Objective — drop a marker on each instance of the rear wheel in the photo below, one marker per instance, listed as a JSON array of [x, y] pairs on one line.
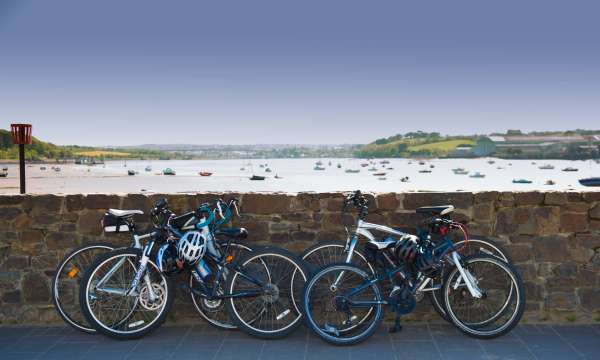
[[265, 293], [66, 282], [215, 311]]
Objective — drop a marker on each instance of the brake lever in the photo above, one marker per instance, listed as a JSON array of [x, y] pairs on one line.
[[220, 209]]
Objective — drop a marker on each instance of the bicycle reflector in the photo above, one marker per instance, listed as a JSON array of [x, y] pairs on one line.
[[71, 274], [444, 230]]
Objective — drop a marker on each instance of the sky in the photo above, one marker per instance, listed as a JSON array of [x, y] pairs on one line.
[[117, 72]]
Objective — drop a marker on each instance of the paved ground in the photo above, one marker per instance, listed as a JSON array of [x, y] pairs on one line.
[[202, 342]]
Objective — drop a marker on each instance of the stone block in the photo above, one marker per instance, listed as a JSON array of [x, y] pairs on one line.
[[36, 288], [561, 301], [89, 222], [550, 248], [486, 197], [529, 198], [555, 198], [266, 203], [574, 222], [60, 240], [74, 202], [9, 213], [595, 212], [101, 201], [387, 201], [589, 298], [588, 241]]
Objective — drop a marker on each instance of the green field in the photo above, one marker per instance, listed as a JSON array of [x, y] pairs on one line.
[[102, 153], [441, 146]]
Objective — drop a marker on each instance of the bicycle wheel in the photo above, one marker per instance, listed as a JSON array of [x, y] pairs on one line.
[[270, 307], [111, 308], [331, 303], [473, 247], [215, 311], [330, 252], [65, 283], [498, 310]]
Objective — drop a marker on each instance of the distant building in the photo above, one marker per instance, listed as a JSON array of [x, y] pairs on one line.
[[538, 144]]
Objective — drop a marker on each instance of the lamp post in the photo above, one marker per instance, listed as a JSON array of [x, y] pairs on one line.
[[21, 135]]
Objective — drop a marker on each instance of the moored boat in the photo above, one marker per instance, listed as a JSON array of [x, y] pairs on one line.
[[373, 168], [339, 166], [318, 168], [379, 174], [521, 181], [268, 170], [477, 174], [593, 181], [550, 182], [3, 173], [425, 171], [352, 171], [546, 167], [148, 168], [205, 173], [168, 171], [570, 169], [257, 177], [130, 172]]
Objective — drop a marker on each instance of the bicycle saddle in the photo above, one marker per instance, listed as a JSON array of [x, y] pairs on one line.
[[239, 233], [124, 213], [435, 210]]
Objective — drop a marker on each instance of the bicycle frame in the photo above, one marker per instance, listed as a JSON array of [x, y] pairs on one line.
[[363, 227]]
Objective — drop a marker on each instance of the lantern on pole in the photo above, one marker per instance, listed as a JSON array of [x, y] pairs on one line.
[[21, 135]]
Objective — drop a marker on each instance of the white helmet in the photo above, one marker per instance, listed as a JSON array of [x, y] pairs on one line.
[[191, 247]]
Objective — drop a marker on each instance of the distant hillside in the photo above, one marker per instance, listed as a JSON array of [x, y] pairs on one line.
[[415, 144], [40, 150], [37, 150]]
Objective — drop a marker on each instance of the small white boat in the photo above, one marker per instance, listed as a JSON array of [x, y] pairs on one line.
[[425, 171], [477, 174], [570, 169], [546, 167], [318, 168], [57, 169], [148, 168], [352, 171], [404, 179]]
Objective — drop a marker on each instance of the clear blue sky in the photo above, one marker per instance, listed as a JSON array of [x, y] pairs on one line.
[[131, 72]]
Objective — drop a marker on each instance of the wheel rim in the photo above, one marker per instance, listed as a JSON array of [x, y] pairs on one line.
[[477, 327], [261, 313], [216, 315], [124, 314], [338, 256], [332, 305], [67, 282]]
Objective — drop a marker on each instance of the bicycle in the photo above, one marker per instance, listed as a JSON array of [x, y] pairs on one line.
[[257, 293], [69, 272], [343, 303], [336, 251]]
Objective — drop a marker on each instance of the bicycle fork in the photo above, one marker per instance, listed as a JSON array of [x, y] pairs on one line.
[[466, 276]]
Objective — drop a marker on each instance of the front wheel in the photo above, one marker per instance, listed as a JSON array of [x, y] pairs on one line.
[[66, 282], [472, 247], [264, 293], [112, 307], [339, 297], [499, 309]]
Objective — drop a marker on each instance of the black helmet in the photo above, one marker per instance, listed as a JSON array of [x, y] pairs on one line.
[[406, 248], [425, 261]]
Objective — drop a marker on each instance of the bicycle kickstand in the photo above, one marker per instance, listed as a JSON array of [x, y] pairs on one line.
[[397, 327]]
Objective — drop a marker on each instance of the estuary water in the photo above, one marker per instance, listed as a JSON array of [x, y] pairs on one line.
[[296, 175]]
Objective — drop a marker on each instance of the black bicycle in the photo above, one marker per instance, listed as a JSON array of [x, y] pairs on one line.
[[483, 295]]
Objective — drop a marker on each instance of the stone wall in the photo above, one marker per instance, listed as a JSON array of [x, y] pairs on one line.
[[553, 238]]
